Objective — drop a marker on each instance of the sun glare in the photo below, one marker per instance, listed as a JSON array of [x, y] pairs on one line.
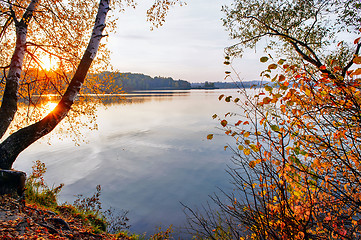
[[48, 63], [49, 106]]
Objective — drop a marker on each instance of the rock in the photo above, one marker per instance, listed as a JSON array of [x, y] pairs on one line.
[[12, 182]]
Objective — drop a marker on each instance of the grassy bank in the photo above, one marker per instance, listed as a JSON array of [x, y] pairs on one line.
[[40, 215]]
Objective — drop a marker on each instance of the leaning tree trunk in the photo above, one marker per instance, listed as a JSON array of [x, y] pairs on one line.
[[20, 140]]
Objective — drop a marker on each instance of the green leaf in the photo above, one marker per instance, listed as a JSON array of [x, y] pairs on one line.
[[283, 87], [228, 99], [296, 150], [268, 88], [275, 128], [264, 59], [281, 61]]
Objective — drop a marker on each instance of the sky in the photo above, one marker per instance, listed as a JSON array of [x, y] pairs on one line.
[[189, 46]]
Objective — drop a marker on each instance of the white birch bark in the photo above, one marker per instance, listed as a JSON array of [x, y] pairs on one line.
[[10, 97]]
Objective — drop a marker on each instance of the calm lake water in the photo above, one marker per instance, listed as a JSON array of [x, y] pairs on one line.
[[149, 154]]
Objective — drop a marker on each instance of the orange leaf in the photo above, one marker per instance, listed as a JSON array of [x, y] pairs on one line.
[[251, 164], [281, 78], [357, 40], [357, 72], [224, 123], [272, 66], [239, 122], [266, 100], [337, 68], [283, 108], [357, 60]]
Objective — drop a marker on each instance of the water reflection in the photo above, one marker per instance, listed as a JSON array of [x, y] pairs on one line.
[[147, 156], [136, 96]]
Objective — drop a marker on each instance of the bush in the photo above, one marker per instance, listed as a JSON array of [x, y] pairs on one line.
[[36, 191]]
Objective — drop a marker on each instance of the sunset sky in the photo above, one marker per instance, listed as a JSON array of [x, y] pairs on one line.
[[190, 45]]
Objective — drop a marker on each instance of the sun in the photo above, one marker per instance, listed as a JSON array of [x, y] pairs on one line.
[[49, 106], [48, 63]]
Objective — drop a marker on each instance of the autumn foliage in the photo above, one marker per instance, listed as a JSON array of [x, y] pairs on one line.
[[297, 166]]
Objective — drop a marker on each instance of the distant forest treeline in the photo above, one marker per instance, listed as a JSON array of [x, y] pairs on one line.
[[39, 83], [228, 85], [138, 81]]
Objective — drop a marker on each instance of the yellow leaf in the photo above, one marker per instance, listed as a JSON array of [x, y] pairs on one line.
[[210, 136], [247, 151], [254, 148]]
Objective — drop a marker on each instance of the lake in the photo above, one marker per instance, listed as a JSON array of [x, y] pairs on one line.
[[149, 154]]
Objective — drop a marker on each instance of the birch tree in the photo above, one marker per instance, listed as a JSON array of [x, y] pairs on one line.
[[30, 29]]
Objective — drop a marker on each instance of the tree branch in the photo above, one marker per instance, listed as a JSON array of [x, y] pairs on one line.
[[345, 69], [274, 32]]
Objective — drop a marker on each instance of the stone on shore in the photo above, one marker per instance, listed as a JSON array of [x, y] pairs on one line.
[[12, 182]]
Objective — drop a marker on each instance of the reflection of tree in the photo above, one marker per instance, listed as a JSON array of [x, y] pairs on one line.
[[84, 110], [137, 97]]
